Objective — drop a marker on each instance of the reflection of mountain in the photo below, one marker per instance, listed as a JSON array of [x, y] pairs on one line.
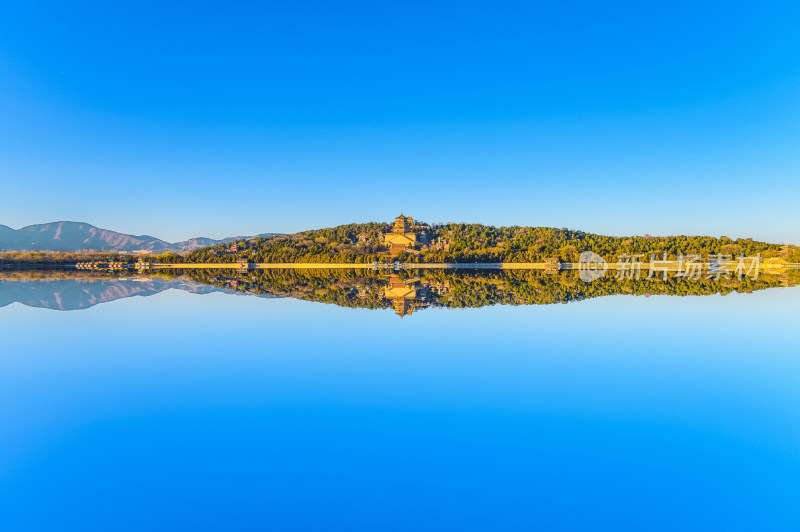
[[405, 292], [75, 292]]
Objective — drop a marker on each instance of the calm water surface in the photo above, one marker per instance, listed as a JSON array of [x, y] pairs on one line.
[[197, 408]]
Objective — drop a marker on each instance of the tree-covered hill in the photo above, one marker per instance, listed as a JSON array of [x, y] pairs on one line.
[[358, 243], [481, 243], [361, 243]]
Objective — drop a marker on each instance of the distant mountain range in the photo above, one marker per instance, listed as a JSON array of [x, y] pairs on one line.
[[79, 236]]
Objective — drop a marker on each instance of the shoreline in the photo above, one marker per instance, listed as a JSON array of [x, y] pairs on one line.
[[669, 266]]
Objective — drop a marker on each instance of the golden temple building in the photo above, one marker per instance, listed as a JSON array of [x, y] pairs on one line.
[[403, 236]]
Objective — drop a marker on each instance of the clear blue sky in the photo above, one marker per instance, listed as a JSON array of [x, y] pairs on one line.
[[193, 119]]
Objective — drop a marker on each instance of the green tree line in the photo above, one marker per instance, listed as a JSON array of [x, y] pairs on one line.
[[362, 243]]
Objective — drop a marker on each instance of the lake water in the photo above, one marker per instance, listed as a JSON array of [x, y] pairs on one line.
[[497, 402]]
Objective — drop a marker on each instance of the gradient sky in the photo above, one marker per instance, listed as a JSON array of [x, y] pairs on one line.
[[193, 119]]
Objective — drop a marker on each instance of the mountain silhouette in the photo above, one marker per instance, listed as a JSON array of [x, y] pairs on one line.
[[80, 236]]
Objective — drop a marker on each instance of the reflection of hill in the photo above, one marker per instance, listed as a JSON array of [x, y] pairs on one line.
[[537, 288], [408, 291], [404, 291], [347, 288], [73, 291]]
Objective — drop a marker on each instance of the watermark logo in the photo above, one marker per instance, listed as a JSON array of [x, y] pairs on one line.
[[591, 266]]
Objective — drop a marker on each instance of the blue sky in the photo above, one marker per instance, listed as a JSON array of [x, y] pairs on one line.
[[192, 119]]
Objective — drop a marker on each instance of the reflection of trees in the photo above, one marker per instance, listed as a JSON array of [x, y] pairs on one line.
[[405, 291], [346, 288], [460, 289], [536, 288]]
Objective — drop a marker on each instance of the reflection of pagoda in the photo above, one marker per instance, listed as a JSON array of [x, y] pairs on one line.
[[402, 306], [402, 295], [411, 294]]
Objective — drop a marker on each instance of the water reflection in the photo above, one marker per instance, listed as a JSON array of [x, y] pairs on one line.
[[404, 291], [62, 290], [230, 412]]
